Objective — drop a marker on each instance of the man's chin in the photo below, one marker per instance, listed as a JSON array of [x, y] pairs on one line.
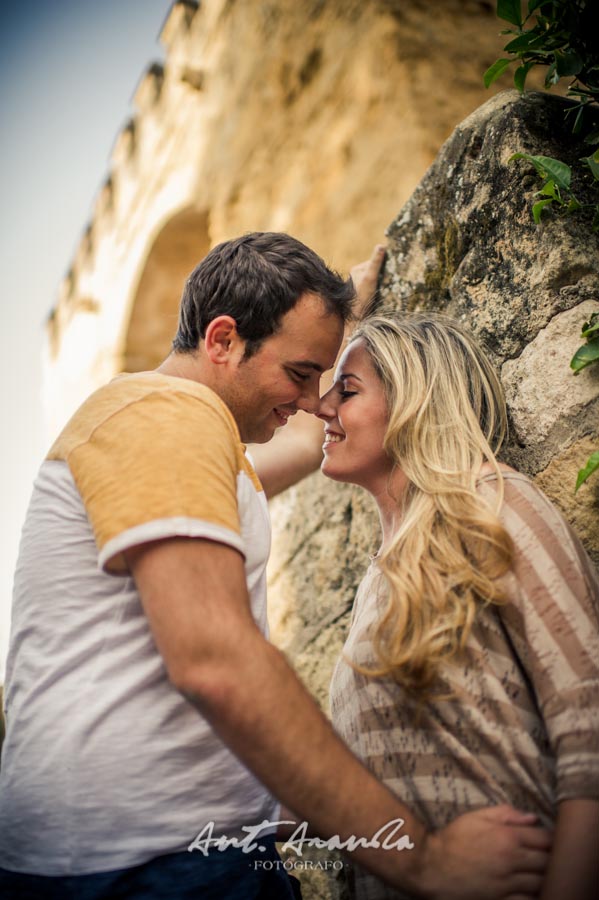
[[262, 437]]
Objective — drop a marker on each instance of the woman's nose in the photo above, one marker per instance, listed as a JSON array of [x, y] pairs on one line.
[[326, 409]]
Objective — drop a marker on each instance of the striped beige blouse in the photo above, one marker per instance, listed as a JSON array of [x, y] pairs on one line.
[[523, 726]]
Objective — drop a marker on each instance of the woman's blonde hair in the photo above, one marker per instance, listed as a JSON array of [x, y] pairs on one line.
[[447, 416]]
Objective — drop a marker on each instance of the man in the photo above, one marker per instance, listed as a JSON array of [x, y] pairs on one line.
[[145, 706]]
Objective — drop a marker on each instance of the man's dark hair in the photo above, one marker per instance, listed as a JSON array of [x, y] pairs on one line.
[[256, 279]]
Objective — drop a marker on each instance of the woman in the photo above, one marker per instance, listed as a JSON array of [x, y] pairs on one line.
[[470, 674]]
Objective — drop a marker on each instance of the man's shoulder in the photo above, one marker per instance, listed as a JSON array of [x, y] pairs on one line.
[[149, 401], [127, 389]]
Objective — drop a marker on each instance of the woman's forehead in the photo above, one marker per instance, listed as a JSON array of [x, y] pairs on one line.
[[354, 356]]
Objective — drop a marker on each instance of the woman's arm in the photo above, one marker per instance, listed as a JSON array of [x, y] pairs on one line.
[[296, 450], [552, 620], [573, 870]]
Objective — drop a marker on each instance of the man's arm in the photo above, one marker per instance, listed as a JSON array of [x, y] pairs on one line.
[[294, 452], [195, 597], [574, 863]]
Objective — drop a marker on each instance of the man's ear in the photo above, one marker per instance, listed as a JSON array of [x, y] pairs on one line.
[[221, 340]]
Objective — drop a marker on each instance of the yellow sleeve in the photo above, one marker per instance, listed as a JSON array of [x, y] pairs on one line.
[[164, 465]]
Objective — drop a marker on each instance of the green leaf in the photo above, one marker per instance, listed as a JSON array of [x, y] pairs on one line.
[[576, 128], [591, 466], [527, 41], [579, 120], [548, 167], [593, 137], [494, 71], [592, 326], [520, 76], [593, 163], [584, 356], [538, 208], [573, 205], [550, 189], [510, 11], [534, 4], [567, 62]]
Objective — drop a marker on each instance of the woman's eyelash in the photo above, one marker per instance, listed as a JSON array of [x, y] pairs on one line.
[[345, 394]]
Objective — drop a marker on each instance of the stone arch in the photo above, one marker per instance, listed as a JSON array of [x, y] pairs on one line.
[[178, 247]]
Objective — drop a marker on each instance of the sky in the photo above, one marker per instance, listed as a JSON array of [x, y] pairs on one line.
[[68, 72]]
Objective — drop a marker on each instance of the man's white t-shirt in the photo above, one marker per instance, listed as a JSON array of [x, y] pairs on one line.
[[105, 764]]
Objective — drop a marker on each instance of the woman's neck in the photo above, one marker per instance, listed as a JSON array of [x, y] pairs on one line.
[[388, 503]]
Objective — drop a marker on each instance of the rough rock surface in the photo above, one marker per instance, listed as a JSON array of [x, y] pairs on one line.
[[549, 407], [465, 243]]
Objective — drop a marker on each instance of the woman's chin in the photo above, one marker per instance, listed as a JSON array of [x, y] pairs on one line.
[[330, 471]]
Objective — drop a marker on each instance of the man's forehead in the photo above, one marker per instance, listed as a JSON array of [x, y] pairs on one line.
[[307, 364], [308, 337]]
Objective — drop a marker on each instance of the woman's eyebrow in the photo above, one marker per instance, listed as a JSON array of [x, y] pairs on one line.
[[343, 375]]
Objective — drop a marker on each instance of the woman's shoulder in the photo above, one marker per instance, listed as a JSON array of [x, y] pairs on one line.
[[515, 484], [519, 491], [488, 473], [539, 529]]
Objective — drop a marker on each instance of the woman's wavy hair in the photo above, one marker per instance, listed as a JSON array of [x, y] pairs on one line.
[[447, 415]]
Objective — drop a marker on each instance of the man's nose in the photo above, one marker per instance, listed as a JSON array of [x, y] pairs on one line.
[[310, 399]]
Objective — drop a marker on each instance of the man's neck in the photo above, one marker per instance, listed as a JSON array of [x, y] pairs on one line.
[[185, 365]]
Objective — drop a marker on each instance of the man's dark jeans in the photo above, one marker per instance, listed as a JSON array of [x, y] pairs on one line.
[[227, 875]]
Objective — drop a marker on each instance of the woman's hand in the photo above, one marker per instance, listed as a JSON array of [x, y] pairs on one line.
[[365, 276]]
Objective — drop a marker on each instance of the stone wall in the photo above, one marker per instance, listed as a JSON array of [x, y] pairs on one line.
[[466, 243]]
